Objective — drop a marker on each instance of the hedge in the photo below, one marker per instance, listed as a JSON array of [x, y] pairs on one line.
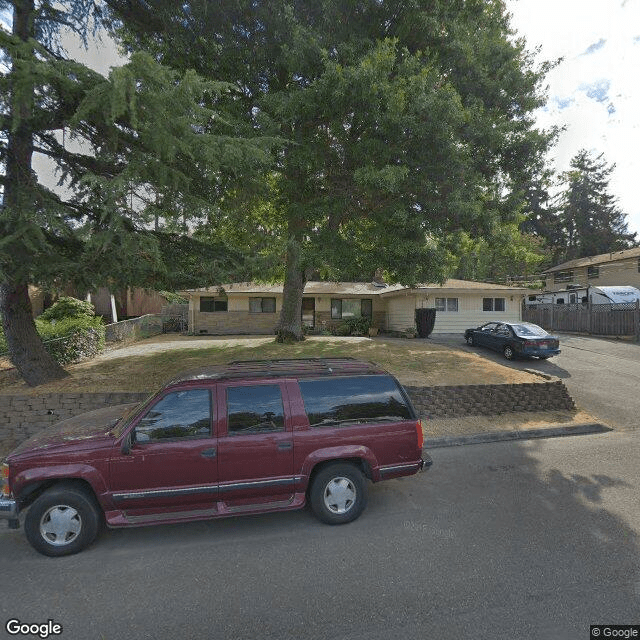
[[70, 339]]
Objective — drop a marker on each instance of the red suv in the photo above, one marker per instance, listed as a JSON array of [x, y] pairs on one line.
[[249, 437]]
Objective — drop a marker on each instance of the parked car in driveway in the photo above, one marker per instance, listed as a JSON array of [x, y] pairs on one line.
[[249, 437], [514, 339]]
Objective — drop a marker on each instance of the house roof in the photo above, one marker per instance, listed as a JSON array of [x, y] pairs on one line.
[[599, 259], [352, 288]]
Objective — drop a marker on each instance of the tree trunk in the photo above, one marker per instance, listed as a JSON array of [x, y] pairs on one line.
[[25, 347], [289, 327], [26, 350]]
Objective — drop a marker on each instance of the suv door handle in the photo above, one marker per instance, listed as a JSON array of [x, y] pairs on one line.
[[208, 453], [284, 446]]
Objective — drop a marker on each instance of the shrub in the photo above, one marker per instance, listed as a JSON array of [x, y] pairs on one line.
[[68, 308], [343, 329], [71, 339], [358, 326]]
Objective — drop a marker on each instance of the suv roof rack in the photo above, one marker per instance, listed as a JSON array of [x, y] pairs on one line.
[[282, 368]]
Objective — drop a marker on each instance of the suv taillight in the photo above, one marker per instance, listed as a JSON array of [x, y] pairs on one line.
[[420, 434]]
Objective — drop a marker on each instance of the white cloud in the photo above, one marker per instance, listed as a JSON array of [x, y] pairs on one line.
[[594, 92]]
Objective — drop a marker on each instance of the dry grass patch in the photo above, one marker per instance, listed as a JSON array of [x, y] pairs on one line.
[[149, 363]]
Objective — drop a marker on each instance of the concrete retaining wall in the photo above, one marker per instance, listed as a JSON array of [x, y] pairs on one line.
[[22, 416]]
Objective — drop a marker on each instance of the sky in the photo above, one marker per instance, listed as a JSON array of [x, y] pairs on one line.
[[594, 93]]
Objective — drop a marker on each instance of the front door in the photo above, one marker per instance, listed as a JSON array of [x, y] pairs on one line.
[[172, 463], [309, 312], [255, 444]]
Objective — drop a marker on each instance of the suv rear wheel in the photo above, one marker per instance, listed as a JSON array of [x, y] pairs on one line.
[[62, 521], [338, 494]]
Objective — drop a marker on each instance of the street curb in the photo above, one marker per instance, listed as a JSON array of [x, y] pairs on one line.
[[524, 434]]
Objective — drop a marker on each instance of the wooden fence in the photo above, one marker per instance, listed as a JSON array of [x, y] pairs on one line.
[[596, 319]]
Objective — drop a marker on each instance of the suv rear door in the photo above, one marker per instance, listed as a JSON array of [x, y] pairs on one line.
[[347, 416], [255, 443]]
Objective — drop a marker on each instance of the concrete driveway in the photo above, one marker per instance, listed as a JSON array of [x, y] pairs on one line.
[[602, 376]]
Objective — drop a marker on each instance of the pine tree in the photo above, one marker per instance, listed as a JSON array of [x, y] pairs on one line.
[[145, 142], [593, 222]]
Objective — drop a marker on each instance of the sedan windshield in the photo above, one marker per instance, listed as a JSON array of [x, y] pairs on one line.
[[529, 330]]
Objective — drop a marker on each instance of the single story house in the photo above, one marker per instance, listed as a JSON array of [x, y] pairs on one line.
[[620, 268], [250, 308]]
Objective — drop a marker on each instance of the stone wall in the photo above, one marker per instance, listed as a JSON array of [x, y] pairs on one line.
[[325, 321], [235, 323], [22, 416], [490, 399]]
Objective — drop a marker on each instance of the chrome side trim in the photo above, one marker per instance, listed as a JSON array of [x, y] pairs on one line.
[[400, 467], [256, 484], [164, 493]]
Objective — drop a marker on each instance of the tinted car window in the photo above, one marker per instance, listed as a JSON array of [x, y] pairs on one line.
[[252, 409], [332, 401], [180, 414]]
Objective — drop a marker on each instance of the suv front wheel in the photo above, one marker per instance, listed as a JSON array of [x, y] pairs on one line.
[[62, 521], [338, 493]]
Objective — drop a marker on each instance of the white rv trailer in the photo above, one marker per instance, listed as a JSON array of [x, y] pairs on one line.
[[584, 295]]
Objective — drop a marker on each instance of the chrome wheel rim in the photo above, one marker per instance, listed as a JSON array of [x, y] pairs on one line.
[[339, 495], [60, 525], [508, 353]]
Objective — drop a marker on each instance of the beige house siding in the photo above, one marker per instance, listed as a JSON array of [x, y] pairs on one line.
[[401, 310], [393, 307], [619, 273]]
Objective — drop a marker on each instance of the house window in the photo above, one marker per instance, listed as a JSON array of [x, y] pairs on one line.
[[262, 305], [593, 272], [214, 304], [493, 304], [342, 308], [563, 276], [446, 304]]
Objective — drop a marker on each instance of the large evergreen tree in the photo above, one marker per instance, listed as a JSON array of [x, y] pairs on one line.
[[146, 143], [403, 121], [593, 222]]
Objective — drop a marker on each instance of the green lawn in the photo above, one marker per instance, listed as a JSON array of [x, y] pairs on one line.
[[414, 362]]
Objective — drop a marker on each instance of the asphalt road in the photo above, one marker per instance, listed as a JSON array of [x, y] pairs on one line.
[[602, 376], [527, 540]]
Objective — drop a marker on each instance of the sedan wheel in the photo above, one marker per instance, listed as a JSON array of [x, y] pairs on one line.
[[470, 340], [508, 352]]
